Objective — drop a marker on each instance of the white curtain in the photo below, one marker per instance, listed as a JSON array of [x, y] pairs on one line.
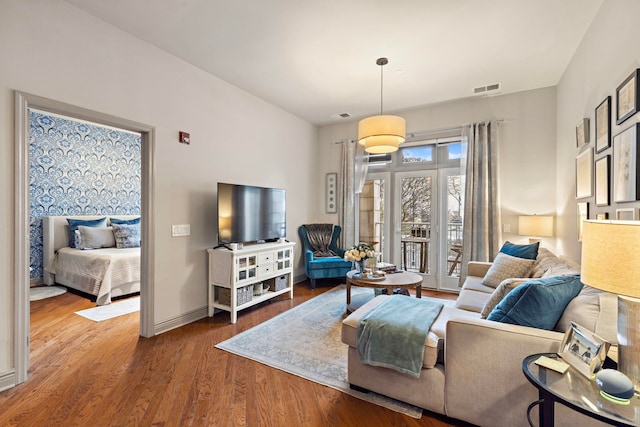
[[482, 219], [352, 176]]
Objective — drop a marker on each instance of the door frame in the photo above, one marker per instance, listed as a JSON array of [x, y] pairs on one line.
[[22, 103]]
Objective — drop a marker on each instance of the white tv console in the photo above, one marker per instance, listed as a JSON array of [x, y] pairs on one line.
[[232, 272]]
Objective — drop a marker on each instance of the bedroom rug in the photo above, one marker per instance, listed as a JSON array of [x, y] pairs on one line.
[[42, 292], [305, 341], [109, 311]]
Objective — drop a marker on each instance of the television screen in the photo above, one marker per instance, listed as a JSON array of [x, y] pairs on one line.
[[250, 214]]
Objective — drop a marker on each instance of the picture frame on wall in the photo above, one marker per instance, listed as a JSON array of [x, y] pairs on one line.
[[602, 216], [603, 125], [583, 350], [582, 132], [626, 186], [331, 193], [627, 214], [584, 168], [627, 97], [602, 168], [583, 214]]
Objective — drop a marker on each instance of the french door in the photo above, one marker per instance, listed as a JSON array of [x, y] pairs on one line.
[[422, 232]]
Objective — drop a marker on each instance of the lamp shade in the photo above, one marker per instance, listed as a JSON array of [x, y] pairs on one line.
[[535, 225], [611, 256], [381, 134]]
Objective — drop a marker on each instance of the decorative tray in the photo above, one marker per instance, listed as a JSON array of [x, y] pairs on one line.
[[371, 278]]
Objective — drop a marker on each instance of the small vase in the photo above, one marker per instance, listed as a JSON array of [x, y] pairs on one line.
[[359, 266]]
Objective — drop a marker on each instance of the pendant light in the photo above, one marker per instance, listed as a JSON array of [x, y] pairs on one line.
[[381, 134]]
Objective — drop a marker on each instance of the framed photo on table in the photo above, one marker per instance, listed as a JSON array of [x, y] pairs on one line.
[[603, 125], [584, 166], [626, 187], [583, 350], [627, 97]]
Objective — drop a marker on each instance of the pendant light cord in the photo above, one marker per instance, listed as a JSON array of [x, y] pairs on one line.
[[381, 62]]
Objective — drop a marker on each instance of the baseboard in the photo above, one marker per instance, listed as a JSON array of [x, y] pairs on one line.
[[176, 322], [7, 380]]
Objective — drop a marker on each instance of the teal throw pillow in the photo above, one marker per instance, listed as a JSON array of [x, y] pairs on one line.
[[125, 221], [538, 303], [520, 251], [75, 223]]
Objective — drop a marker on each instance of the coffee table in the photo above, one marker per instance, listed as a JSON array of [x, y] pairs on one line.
[[391, 281]]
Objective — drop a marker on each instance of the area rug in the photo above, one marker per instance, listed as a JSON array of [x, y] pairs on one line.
[[42, 292], [305, 341], [109, 311]]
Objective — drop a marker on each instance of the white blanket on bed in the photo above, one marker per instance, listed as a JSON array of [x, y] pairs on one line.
[[98, 271]]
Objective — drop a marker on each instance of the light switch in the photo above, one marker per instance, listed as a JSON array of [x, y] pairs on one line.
[[181, 230], [506, 228]]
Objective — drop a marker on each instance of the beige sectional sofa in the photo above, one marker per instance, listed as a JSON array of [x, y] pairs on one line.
[[472, 368]]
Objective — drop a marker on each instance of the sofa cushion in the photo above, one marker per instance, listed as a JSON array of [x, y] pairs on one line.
[[538, 303], [521, 251], [499, 293], [505, 267]]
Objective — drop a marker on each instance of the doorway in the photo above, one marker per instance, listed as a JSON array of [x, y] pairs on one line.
[[23, 103], [422, 233]]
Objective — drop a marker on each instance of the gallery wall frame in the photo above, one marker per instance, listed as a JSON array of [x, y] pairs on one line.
[[582, 132], [603, 125], [602, 168], [584, 174], [583, 215], [331, 192], [627, 97], [626, 183], [627, 214], [602, 216]]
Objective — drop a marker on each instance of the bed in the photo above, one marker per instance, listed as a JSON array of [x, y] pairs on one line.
[[104, 273]]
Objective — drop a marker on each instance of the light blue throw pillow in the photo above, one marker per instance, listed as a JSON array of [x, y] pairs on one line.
[[538, 303], [75, 223], [520, 251], [127, 235]]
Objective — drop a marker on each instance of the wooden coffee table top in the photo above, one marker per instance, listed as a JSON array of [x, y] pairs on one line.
[[394, 280]]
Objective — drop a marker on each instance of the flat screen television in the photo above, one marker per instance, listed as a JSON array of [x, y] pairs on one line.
[[250, 214]]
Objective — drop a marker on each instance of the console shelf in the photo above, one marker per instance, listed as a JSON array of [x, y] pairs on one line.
[[233, 275]]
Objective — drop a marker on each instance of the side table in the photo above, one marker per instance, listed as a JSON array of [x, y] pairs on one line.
[[575, 391]]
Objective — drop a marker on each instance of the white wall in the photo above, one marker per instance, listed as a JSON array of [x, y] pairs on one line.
[[51, 49], [526, 148], [609, 52]]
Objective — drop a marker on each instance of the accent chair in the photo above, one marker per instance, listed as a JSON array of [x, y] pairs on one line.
[[323, 259]]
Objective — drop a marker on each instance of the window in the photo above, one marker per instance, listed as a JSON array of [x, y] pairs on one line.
[[417, 154]]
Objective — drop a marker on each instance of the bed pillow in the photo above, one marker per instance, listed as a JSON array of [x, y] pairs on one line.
[[127, 235], [125, 221], [95, 237], [521, 251], [538, 303], [75, 223], [505, 267]]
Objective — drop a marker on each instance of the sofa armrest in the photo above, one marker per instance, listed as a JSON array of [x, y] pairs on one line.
[[478, 268], [483, 369]]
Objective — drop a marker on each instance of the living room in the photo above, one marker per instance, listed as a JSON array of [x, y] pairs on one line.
[[58, 51]]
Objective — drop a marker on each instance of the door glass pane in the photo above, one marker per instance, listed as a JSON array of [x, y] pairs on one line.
[[416, 223], [455, 210], [372, 215]]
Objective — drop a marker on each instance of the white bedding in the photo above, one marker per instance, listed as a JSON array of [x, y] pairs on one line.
[[97, 271]]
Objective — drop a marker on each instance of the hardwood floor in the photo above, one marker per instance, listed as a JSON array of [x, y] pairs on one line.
[[103, 374]]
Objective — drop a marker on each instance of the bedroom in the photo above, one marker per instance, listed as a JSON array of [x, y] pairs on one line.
[[80, 168]]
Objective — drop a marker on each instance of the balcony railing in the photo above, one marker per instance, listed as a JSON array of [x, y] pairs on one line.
[[416, 243]]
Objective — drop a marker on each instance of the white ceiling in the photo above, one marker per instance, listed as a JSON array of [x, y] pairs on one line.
[[316, 58]]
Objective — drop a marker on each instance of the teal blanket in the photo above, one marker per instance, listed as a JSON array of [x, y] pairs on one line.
[[393, 334]]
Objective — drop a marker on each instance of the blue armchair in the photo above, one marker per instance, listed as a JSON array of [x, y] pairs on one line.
[[324, 267]]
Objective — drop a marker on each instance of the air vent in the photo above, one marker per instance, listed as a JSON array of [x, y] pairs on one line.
[[486, 89], [341, 116]]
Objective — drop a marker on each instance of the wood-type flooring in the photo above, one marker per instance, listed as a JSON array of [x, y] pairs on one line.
[[84, 373]]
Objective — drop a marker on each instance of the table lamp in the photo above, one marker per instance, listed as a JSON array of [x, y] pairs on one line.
[[536, 226], [611, 262]]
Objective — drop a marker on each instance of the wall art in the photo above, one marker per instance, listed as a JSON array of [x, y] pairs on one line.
[[627, 97], [583, 214], [331, 188], [603, 125], [584, 167], [582, 132], [602, 168], [626, 187]]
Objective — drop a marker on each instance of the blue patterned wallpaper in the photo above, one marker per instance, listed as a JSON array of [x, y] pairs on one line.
[[78, 168]]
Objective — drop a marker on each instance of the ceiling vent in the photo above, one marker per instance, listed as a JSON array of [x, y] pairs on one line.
[[488, 89], [341, 116]]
